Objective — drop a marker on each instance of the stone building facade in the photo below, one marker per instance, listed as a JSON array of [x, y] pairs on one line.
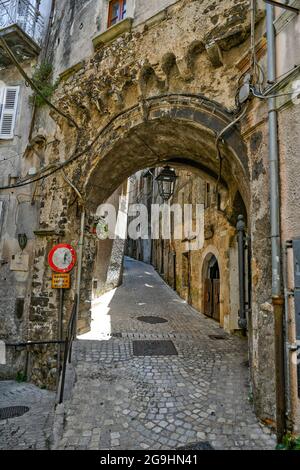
[[203, 272], [146, 84], [25, 30]]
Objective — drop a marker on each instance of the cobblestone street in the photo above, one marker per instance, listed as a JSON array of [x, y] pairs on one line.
[[123, 399], [33, 430]]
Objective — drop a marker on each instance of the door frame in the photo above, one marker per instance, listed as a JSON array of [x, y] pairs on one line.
[[208, 254]]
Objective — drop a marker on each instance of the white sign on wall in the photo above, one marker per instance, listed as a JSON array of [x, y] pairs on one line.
[[2, 353], [20, 262]]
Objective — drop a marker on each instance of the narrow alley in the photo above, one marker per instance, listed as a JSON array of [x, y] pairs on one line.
[[155, 374]]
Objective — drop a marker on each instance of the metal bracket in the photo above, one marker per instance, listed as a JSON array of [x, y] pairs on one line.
[[290, 293], [292, 347]]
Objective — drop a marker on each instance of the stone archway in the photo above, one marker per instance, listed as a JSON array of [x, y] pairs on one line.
[[176, 128], [180, 129]]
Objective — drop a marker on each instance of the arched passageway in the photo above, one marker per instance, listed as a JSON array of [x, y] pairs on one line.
[[176, 129], [179, 130]]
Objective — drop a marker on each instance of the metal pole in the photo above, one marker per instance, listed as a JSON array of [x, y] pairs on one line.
[[63, 375], [61, 314], [278, 302], [241, 255], [79, 269], [60, 330], [273, 159]]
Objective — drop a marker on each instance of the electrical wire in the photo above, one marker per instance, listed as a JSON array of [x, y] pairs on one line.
[[31, 83], [267, 97], [219, 137], [72, 185], [50, 170], [8, 160], [285, 73], [76, 156], [159, 157], [258, 75], [4, 160]]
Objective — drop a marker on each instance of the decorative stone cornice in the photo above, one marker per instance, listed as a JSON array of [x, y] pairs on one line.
[[113, 32]]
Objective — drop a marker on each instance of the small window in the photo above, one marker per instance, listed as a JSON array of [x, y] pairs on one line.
[[8, 111], [117, 11]]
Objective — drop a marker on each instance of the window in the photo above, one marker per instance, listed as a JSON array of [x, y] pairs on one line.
[[8, 110], [117, 11]]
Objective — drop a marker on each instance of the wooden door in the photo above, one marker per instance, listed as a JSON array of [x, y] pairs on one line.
[[216, 299], [208, 298]]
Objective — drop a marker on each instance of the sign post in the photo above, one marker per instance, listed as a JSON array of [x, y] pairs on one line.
[[62, 259]]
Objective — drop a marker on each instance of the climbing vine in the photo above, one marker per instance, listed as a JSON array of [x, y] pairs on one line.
[[43, 79]]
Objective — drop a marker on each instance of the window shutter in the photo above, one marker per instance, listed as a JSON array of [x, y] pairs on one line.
[[9, 111]]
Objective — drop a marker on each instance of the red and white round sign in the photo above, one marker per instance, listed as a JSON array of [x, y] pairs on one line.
[[62, 258]]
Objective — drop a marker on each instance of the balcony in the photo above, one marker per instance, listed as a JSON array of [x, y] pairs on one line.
[[21, 25]]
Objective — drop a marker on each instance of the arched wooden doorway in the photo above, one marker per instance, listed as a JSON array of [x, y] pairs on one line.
[[212, 289]]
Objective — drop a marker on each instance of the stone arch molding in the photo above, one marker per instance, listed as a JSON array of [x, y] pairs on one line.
[[177, 128]]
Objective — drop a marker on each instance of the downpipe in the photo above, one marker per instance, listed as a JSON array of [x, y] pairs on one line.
[[79, 268], [277, 295], [242, 287]]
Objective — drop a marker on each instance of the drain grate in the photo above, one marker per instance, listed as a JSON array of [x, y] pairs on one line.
[[13, 412], [154, 348], [218, 337], [197, 446], [152, 320]]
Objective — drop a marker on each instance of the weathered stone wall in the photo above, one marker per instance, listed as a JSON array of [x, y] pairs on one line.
[[19, 210], [18, 216], [159, 92]]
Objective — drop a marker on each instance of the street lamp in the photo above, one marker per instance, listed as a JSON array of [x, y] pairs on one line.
[[166, 181]]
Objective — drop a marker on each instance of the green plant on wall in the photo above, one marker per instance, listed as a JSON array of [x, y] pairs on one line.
[[289, 442], [43, 79], [21, 377]]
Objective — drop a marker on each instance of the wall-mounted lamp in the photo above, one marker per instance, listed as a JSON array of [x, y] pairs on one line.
[[166, 181]]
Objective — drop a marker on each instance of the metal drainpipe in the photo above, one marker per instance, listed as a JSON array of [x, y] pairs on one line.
[[80, 257], [277, 297], [241, 252]]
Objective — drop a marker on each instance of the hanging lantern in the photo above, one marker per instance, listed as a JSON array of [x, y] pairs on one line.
[[166, 181]]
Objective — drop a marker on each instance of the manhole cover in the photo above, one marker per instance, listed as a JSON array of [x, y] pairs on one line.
[[218, 337], [13, 412], [154, 348], [197, 446], [152, 320]]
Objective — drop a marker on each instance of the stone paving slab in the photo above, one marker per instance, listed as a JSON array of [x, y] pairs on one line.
[[33, 430], [121, 401]]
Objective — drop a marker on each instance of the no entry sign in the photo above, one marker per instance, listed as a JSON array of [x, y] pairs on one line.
[[62, 258]]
